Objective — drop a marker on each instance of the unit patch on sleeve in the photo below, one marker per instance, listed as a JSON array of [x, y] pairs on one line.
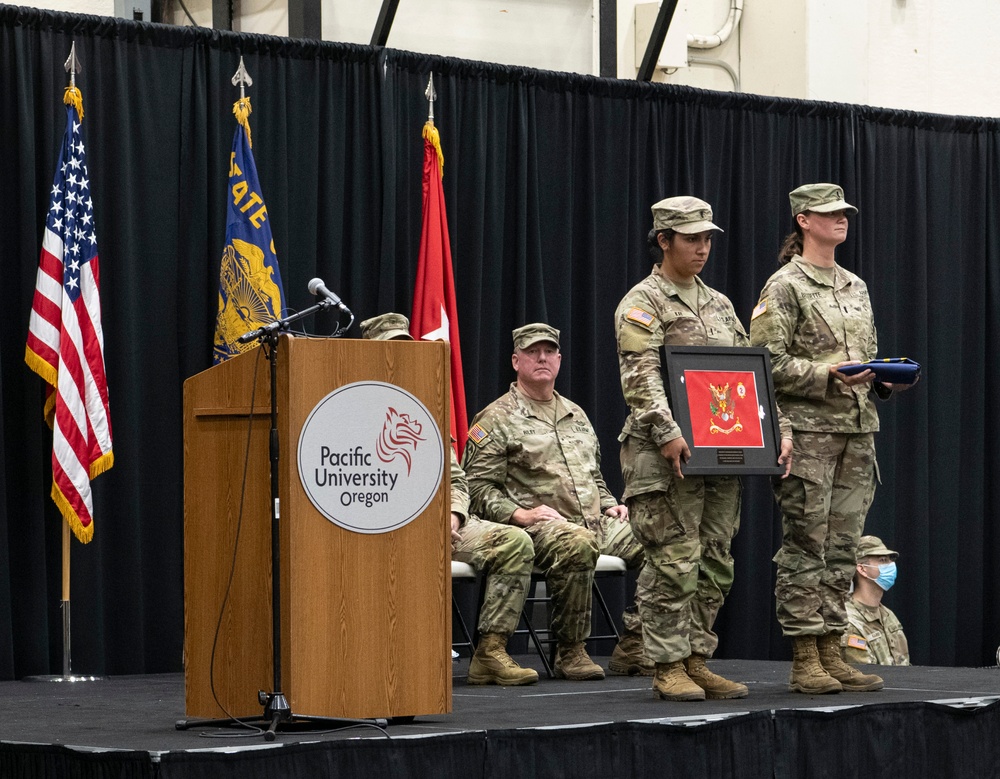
[[759, 309]]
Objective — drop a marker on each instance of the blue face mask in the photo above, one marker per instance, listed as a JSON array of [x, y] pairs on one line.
[[886, 575]]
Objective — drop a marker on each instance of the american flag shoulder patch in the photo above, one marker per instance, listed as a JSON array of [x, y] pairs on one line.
[[857, 642], [639, 316], [477, 434], [759, 309]]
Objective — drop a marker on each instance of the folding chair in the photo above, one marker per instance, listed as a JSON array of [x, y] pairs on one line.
[[464, 572], [607, 566]]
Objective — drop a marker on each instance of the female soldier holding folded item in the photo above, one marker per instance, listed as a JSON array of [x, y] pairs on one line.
[[815, 317]]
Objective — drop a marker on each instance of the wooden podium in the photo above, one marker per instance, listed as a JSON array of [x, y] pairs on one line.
[[365, 628]]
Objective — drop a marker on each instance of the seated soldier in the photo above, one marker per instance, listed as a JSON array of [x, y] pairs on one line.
[[874, 635], [533, 461], [502, 553]]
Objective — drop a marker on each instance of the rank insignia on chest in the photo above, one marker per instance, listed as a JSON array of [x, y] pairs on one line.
[[641, 317], [477, 434], [857, 642], [759, 309]]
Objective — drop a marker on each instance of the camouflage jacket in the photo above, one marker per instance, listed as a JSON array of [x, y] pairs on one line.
[[516, 457], [807, 325], [880, 632], [459, 488], [653, 315]]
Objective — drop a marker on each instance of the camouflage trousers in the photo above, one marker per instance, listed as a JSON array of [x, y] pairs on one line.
[[823, 503], [686, 532], [504, 554], [614, 537], [567, 554]]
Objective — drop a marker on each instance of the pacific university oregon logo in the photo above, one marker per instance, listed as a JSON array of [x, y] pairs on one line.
[[400, 435], [370, 457]]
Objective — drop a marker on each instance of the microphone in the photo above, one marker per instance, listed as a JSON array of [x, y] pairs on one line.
[[317, 287]]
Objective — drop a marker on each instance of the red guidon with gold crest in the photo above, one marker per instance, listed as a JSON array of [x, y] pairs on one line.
[[723, 400]]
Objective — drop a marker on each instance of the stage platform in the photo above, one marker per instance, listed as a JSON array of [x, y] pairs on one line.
[[926, 721]]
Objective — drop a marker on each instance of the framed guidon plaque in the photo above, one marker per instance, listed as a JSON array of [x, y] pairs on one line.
[[723, 399]]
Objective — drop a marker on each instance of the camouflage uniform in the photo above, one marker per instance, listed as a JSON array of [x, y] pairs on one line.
[[808, 320], [685, 526], [881, 631], [518, 457], [503, 553]]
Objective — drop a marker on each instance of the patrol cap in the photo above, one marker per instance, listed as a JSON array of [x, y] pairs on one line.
[[821, 198], [533, 333], [386, 327], [872, 546], [684, 214]]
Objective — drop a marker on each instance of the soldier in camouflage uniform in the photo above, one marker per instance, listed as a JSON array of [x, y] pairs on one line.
[[533, 460], [685, 523], [815, 317], [503, 554], [874, 634]]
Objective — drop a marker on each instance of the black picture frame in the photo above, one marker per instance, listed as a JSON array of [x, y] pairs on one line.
[[679, 367]]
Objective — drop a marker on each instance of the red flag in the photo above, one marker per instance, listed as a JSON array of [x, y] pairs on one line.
[[723, 406], [65, 338], [435, 315]]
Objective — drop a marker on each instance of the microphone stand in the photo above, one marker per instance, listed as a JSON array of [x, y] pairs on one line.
[[277, 712]]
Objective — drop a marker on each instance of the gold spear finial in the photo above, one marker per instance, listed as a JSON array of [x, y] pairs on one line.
[[431, 96]]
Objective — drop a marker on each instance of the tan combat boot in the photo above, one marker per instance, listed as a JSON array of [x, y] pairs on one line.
[[492, 665], [672, 683], [716, 687], [630, 658], [573, 662], [808, 675], [850, 678]]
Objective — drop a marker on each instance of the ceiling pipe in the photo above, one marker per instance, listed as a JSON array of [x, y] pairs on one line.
[[713, 41]]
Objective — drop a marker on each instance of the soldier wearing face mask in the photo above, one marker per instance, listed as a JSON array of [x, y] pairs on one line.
[[874, 635]]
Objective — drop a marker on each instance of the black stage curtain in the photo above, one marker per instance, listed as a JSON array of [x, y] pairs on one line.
[[739, 746], [456, 756], [903, 739], [27, 761], [549, 178]]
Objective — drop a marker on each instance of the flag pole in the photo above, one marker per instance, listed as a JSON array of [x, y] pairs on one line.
[[64, 606], [71, 66], [277, 713]]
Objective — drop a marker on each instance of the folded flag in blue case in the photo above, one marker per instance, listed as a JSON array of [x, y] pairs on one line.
[[895, 370]]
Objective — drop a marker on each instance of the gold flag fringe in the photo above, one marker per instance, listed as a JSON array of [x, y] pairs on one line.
[[48, 374], [83, 534], [101, 464], [431, 134], [73, 97], [242, 110]]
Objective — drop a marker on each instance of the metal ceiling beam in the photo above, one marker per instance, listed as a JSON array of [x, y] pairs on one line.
[[385, 16], [656, 39], [222, 14], [607, 36], [305, 19]]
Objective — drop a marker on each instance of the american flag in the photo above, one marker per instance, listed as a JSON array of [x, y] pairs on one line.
[[65, 339]]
